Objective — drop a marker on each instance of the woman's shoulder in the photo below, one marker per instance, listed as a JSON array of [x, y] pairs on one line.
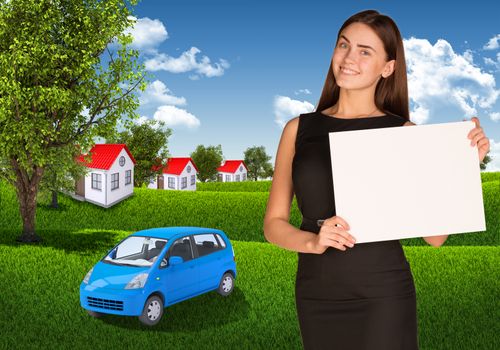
[[294, 124], [402, 120]]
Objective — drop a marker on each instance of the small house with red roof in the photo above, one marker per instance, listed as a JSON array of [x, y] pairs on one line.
[[177, 174], [232, 171], [110, 176]]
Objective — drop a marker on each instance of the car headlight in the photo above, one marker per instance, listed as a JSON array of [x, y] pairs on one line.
[[137, 282], [87, 276]]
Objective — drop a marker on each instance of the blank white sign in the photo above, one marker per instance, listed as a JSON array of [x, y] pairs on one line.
[[403, 182]]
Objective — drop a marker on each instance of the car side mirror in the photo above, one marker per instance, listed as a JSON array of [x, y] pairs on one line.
[[175, 260], [164, 263]]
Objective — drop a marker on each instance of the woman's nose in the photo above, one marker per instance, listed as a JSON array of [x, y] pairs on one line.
[[350, 56]]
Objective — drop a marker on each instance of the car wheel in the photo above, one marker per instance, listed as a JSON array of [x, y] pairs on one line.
[[226, 284], [94, 313], [152, 312]]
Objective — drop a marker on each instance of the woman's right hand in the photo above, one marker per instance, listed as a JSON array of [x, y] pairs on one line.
[[333, 233]]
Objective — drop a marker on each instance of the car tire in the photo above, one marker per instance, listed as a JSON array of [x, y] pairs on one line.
[[226, 284], [94, 313], [153, 311]]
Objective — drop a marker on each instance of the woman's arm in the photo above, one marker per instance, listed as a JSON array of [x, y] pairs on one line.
[[277, 230], [435, 241]]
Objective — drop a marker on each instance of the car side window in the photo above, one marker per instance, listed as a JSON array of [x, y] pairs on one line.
[[221, 240], [206, 244], [182, 248]]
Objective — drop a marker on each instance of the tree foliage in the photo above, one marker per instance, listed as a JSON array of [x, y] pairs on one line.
[[207, 160], [257, 162], [61, 85], [148, 144]]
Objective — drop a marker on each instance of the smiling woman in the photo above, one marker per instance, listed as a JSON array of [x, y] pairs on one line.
[[348, 296]]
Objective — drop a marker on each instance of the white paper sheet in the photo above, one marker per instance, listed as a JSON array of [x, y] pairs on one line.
[[403, 182]]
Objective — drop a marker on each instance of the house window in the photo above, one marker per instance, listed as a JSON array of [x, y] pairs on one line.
[[241, 168], [237, 178], [228, 178], [122, 161], [243, 177], [188, 168], [171, 182], [193, 179], [115, 181], [96, 181], [128, 177], [184, 182]]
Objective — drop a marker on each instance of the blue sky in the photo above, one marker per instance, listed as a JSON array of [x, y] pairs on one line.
[[233, 72]]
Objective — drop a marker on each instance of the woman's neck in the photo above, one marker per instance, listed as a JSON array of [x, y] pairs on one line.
[[355, 104]]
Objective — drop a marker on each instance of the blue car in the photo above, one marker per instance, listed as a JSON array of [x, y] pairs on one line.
[[155, 268]]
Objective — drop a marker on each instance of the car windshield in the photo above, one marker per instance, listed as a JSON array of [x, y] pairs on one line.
[[136, 251]]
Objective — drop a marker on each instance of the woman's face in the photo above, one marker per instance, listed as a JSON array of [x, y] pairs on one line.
[[359, 59]]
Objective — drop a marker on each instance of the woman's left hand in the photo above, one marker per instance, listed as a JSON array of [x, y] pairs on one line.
[[478, 138]]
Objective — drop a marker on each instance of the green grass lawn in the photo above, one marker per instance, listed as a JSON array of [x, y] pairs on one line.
[[457, 284], [456, 289]]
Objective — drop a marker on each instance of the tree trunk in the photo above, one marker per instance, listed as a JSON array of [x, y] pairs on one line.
[[27, 189], [54, 203]]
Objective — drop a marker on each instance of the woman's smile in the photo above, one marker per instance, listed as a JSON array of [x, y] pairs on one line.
[[348, 71]]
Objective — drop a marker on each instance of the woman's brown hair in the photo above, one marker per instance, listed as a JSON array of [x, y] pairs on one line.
[[391, 93]]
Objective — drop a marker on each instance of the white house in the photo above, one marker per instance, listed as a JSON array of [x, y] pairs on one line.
[[177, 174], [110, 178], [232, 171]]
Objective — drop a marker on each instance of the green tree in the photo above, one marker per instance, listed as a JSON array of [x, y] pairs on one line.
[[61, 176], [148, 144], [207, 160], [257, 162], [61, 84]]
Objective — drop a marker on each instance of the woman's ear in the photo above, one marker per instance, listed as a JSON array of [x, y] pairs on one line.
[[388, 69]]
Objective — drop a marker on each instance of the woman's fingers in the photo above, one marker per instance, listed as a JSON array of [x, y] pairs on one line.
[[336, 237], [476, 135], [337, 220]]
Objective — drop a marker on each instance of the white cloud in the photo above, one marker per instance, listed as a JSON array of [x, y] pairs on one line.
[[187, 62], [157, 92], [173, 116], [492, 62], [419, 115], [285, 109], [492, 43], [437, 77], [147, 34], [141, 120], [494, 154], [495, 116], [303, 91]]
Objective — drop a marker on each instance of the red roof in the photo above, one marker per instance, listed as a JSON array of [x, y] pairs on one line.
[[104, 155], [230, 166], [175, 166]]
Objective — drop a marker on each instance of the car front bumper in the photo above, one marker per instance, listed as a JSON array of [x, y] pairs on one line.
[[125, 302]]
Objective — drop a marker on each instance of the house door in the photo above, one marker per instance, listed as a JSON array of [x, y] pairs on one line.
[[80, 187], [160, 183], [219, 177]]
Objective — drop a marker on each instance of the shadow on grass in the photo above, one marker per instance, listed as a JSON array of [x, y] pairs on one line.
[[80, 242], [204, 312]]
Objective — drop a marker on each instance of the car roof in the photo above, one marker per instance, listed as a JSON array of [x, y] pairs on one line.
[[170, 232]]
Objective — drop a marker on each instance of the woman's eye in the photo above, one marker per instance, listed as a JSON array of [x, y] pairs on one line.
[[366, 53], [342, 44]]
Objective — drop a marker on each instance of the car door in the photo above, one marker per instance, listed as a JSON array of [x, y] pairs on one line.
[[182, 280], [210, 256]]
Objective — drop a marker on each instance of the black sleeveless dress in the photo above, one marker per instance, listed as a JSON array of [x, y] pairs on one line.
[[360, 298]]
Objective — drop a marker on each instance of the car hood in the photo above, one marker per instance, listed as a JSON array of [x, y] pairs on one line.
[[113, 276]]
